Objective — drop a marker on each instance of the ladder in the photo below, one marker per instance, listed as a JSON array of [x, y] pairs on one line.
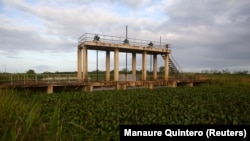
[[173, 66]]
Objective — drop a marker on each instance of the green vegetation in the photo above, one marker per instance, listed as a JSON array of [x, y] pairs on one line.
[[126, 41], [96, 38], [25, 115], [150, 44], [30, 71]]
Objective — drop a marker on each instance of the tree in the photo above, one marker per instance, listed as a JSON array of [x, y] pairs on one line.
[[124, 70], [226, 71], [30, 71], [244, 72]]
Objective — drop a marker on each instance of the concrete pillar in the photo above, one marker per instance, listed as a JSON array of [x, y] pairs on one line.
[[79, 65], [89, 88], [144, 64], [107, 65], [132, 83], [172, 84], [166, 71], [117, 85], [83, 88], [155, 66], [50, 89], [134, 63], [85, 64], [190, 84], [123, 86], [116, 64], [86, 69], [150, 85]]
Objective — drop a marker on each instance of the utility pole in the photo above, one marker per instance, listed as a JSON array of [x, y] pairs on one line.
[[126, 32], [5, 68]]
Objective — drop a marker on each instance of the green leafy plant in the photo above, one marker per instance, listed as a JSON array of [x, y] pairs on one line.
[[96, 38], [77, 115], [126, 41], [150, 44]]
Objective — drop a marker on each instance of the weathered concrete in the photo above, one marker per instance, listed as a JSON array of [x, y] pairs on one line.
[[116, 64], [83, 47], [186, 83], [149, 85], [49, 89], [134, 63], [90, 86], [144, 65], [85, 63], [132, 84], [124, 47], [172, 84], [190, 84], [107, 65], [155, 67], [79, 66], [121, 86]]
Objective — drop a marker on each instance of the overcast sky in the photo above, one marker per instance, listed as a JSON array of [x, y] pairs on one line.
[[204, 34]]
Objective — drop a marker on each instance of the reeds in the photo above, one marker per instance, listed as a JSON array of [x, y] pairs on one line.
[[21, 118]]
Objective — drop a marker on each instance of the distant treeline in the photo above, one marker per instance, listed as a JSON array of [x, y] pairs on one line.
[[240, 72], [123, 71]]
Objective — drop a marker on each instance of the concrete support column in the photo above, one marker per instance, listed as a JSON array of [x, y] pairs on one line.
[[79, 65], [166, 71], [123, 86], [155, 66], [107, 65], [116, 64], [85, 64], [150, 85], [190, 84], [120, 86], [134, 63], [172, 84], [89, 88], [50, 89], [144, 64]]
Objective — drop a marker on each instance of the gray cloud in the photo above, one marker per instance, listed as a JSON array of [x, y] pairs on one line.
[[203, 34], [42, 68], [212, 33]]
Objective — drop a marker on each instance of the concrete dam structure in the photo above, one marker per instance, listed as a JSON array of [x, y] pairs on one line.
[[113, 79]]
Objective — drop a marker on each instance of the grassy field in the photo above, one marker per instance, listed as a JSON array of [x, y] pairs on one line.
[[25, 115]]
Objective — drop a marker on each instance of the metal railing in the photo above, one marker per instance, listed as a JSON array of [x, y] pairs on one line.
[[178, 68], [36, 79], [121, 40], [16, 79]]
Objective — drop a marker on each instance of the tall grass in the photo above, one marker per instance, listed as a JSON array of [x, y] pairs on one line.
[[18, 116], [21, 118], [26, 115], [55, 127]]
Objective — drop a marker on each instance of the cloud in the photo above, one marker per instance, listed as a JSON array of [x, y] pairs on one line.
[[210, 33], [200, 32], [65, 24], [42, 68]]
